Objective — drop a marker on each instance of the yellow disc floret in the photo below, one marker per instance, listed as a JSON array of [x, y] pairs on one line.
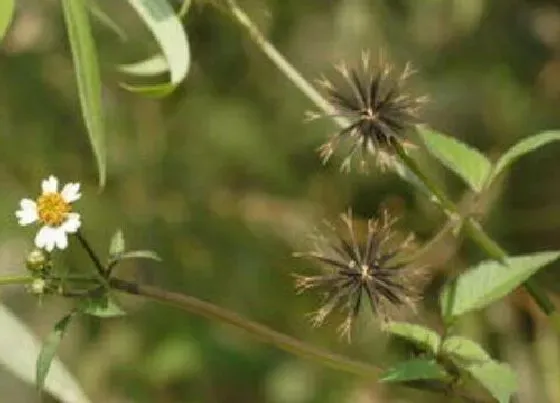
[[52, 209]]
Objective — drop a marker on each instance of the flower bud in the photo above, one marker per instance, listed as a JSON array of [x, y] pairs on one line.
[[37, 260], [37, 287]]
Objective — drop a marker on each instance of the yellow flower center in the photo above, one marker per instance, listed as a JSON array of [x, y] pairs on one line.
[[52, 209]]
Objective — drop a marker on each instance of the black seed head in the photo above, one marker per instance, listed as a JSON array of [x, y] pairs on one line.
[[371, 268], [376, 110]]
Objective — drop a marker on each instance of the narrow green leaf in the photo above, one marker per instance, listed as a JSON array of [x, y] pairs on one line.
[[414, 370], [155, 91], [19, 349], [86, 65], [153, 66], [102, 307], [101, 16], [168, 31], [463, 351], [488, 281], [525, 146], [140, 254], [466, 162], [185, 7], [499, 379], [6, 14], [117, 245], [421, 336], [48, 351]]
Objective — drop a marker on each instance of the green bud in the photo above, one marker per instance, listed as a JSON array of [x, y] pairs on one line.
[[37, 260]]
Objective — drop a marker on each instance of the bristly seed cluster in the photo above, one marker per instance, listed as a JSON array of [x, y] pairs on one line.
[[376, 110], [354, 268]]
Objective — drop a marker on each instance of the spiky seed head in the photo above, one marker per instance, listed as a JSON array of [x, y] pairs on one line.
[[376, 109], [371, 266]]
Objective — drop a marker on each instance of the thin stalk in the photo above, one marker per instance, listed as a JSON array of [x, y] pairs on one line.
[[472, 229], [9, 280]]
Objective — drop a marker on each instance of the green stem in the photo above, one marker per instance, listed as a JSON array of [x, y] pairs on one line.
[[9, 280], [260, 332], [472, 229]]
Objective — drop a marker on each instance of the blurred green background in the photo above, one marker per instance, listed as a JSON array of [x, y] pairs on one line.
[[222, 180]]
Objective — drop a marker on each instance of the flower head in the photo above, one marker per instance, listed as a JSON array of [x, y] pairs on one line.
[[53, 210], [377, 112], [354, 269]]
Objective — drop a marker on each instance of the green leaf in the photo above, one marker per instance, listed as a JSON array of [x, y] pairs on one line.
[[463, 351], [6, 14], [499, 379], [140, 254], [48, 351], [117, 245], [413, 370], [89, 81], [101, 16], [421, 336], [155, 91], [168, 31], [22, 361], [153, 66], [488, 281], [102, 307], [525, 146], [185, 7], [468, 163]]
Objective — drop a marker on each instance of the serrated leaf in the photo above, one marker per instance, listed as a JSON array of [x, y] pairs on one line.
[[489, 281], [6, 15], [86, 66], [421, 336], [525, 146], [49, 348], [22, 361], [117, 245], [140, 254], [102, 307], [168, 31], [413, 370], [466, 162], [463, 351], [152, 66], [499, 379]]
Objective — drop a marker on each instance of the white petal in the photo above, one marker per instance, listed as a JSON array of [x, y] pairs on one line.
[[60, 238], [28, 212], [72, 223], [71, 192], [45, 238], [50, 185]]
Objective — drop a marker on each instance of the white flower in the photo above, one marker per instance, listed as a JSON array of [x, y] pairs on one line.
[[52, 209]]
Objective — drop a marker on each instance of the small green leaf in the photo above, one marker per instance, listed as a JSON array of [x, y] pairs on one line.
[[153, 66], [468, 163], [86, 65], [102, 307], [117, 245], [525, 146], [168, 31], [155, 91], [488, 281], [185, 7], [463, 351], [6, 14], [499, 379], [101, 16], [140, 254], [413, 370], [421, 336], [48, 350]]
